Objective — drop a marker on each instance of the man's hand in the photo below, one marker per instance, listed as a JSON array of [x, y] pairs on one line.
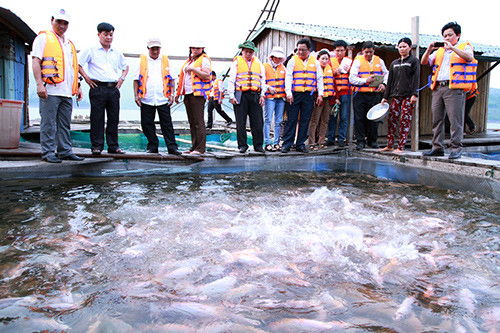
[[79, 94], [119, 83], [41, 91], [289, 99], [319, 100], [91, 83], [233, 101]]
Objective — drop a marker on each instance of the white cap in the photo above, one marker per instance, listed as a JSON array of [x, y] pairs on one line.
[[197, 43], [61, 14], [277, 52], [154, 42]]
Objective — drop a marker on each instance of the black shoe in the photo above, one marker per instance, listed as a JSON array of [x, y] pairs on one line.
[[175, 152], [285, 150], [96, 151], [208, 127], [72, 157], [152, 151], [360, 145], [342, 144], [52, 159], [243, 150], [374, 145], [433, 152], [301, 150], [329, 143], [259, 150], [455, 154], [116, 151]]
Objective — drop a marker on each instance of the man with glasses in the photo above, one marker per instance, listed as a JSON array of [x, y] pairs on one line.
[[303, 77]]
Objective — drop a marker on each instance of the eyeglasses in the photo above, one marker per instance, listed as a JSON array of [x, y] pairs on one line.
[[302, 50]]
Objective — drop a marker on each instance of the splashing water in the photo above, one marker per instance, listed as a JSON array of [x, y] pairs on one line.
[[252, 252]]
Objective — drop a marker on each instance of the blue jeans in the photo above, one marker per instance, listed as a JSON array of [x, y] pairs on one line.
[[276, 106], [303, 104], [345, 106]]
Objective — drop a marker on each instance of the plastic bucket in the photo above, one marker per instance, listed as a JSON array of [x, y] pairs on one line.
[[10, 123]]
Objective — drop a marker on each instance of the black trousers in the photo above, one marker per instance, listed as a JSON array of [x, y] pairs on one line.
[[213, 104], [148, 113], [104, 100], [364, 128], [249, 107]]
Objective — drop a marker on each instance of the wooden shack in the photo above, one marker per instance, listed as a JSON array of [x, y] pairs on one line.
[[286, 35], [16, 39]]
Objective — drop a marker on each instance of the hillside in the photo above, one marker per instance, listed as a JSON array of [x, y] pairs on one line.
[[494, 105]]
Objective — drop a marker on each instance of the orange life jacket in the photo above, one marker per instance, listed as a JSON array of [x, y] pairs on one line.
[[304, 76], [341, 81], [248, 77], [366, 70], [165, 74], [200, 87], [473, 91], [328, 81], [275, 79], [215, 92], [53, 64], [462, 73]]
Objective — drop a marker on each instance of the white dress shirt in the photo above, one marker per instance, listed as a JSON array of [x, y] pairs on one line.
[[231, 85], [359, 81], [64, 88], [104, 66], [154, 83], [289, 76]]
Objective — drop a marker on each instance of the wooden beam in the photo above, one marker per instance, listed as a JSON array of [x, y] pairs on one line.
[[415, 121]]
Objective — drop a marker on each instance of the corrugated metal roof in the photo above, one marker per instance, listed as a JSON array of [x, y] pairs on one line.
[[354, 36]]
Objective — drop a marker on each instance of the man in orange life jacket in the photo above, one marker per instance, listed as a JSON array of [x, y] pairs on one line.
[[247, 79], [454, 73], [303, 77], [362, 74], [215, 102], [341, 64], [153, 91], [55, 68]]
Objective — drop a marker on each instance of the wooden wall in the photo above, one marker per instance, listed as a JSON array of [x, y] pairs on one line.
[[288, 41]]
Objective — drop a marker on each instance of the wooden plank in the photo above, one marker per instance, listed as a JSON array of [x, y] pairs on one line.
[[415, 133]]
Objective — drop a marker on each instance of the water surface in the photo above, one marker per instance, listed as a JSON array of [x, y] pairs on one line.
[[250, 252]]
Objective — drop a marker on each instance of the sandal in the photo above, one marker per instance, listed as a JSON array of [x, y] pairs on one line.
[[116, 151], [269, 148], [277, 147]]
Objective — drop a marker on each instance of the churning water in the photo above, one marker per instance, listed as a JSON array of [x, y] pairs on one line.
[[250, 252]]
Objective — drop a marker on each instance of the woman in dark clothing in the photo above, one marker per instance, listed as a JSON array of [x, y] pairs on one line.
[[402, 85]]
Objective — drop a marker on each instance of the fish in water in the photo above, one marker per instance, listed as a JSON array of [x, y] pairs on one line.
[[404, 309], [306, 325]]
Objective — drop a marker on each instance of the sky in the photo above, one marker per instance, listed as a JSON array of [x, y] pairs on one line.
[[224, 24]]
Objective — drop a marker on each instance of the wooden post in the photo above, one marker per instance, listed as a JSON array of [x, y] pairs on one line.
[[415, 122]]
